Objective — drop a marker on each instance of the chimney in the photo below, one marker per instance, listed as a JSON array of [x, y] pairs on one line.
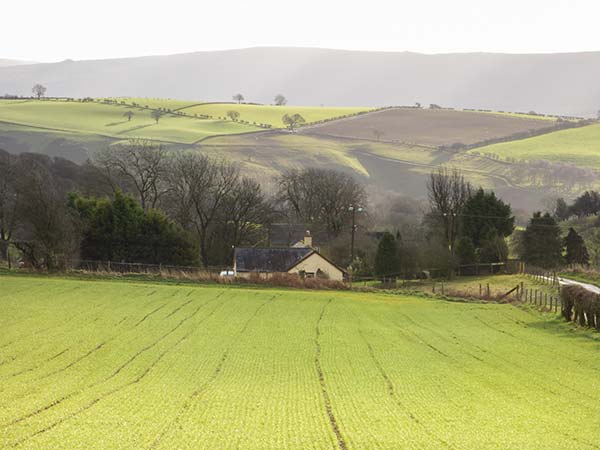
[[308, 239]]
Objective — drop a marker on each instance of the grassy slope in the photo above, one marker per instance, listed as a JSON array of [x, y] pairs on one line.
[[579, 146], [101, 364], [270, 114], [108, 120]]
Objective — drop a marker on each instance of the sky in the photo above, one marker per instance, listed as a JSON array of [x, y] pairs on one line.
[[55, 30]]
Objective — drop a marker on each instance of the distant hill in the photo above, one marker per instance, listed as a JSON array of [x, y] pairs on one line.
[[13, 62], [547, 83]]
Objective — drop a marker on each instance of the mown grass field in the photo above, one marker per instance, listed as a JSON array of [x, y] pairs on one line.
[[108, 120], [114, 364], [578, 146]]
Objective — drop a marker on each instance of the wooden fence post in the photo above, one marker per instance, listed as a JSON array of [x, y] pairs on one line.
[[488, 290]]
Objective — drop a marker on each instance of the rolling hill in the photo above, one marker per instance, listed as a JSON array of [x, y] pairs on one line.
[[430, 127], [548, 83], [578, 146], [413, 142]]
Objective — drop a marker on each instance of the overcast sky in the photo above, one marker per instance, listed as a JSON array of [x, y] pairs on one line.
[[90, 29]]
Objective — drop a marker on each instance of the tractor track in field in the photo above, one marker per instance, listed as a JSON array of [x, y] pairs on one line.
[[321, 375], [112, 375], [76, 361], [535, 373], [392, 393], [31, 369], [113, 391], [94, 349], [154, 311], [214, 376], [509, 362]]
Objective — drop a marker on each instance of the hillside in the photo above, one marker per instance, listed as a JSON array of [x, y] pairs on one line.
[[578, 146], [430, 127], [397, 161], [13, 62], [109, 120], [547, 83], [145, 365]]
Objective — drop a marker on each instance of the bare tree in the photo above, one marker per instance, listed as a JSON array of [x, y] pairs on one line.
[[199, 187], [280, 100], [46, 234], [9, 201], [321, 197], [140, 164], [238, 98], [156, 114], [38, 90], [246, 210], [293, 121], [448, 192], [233, 115], [129, 115], [378, 134]]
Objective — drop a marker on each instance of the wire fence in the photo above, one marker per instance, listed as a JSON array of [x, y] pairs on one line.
[[141, 268]]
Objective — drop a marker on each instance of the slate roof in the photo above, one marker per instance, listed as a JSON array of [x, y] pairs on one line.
[[268, 259]]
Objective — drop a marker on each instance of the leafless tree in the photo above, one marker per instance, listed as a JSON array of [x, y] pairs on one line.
[[448, 192], [141, 164], [46, 234], [38, 90], [280, 100], [321, 197], [378, 134], [9, 201], [238, 98], [156, 114], [199, 187], [246, 210]]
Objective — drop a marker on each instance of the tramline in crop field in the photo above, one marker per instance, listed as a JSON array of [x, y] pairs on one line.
[[115, 364]]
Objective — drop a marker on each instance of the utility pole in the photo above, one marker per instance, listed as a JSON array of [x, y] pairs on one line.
[[353, 209]]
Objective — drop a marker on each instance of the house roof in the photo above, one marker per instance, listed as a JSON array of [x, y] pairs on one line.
[[249, 259]]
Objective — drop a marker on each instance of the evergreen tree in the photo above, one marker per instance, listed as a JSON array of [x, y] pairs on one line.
[[577, 252], [484, 213], [465, 251], [561, 209], [493, 248], [120, 230], [542, 244], [387, 261]]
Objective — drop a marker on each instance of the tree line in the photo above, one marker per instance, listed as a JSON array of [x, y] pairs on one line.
[[139, 202]]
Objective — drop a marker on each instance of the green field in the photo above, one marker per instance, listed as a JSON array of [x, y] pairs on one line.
[[152, 102], [108, 120], [578, 146], [270, 114], [115, 364]]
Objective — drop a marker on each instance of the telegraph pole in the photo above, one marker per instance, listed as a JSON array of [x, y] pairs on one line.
[[353, 209]]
